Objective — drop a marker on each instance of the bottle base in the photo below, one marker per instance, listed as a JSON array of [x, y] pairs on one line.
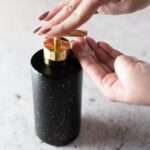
[[58, 143]]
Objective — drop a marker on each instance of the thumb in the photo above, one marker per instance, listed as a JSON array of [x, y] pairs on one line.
[[124, 65]]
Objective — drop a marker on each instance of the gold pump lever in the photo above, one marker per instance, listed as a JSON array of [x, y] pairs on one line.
[[57, 48]]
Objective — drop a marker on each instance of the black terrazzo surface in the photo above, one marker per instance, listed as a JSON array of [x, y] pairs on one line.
[[57, 91]]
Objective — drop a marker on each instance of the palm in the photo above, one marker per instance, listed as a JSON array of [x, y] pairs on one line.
[[98, 59]]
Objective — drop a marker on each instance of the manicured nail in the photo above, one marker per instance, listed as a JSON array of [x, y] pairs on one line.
[[44, 31], [36, 30], [44, 15], [96, 12]]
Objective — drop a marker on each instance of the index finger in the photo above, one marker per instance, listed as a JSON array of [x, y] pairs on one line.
[[88, 63], [56, 10]]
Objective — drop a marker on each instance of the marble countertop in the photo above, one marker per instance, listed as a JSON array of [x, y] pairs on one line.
[[105, 125]]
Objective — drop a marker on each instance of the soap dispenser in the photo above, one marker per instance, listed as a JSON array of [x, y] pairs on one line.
[[57, 91]]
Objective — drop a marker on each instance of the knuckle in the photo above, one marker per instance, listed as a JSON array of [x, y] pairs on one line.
[[120, 59], [128, 7], [69, 8], [79, 18], [139, 67], [62, 29], [125, 6]]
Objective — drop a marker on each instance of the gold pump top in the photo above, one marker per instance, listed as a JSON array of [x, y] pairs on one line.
[[58, 48]]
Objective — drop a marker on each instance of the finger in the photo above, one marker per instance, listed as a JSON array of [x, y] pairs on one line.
[[81, 40], [105, 67], [90, 51], [87, 49], [62, 15], [109, 50], [87, 62], [56, 10], [125, 67], [103, 10], [102, 55], [78, 17]]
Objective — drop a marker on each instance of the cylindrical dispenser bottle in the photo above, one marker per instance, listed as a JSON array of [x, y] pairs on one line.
[[57, 92]]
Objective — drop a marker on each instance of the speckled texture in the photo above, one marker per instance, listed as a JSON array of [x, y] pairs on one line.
[[105, 125], [57, 91]]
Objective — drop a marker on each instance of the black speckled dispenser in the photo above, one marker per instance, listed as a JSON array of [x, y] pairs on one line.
[[57, 92]]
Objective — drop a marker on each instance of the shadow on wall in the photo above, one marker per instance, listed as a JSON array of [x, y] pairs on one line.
[[96, 134]]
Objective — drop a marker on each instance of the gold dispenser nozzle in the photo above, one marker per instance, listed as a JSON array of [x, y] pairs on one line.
[[57, 48], [57, 42]]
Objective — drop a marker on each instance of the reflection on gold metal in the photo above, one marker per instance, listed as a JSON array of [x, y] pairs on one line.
[[77, 33], [57, 48], [57, 42]]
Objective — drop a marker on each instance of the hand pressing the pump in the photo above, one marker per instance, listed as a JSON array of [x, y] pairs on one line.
[[121, 78], [70, 14]]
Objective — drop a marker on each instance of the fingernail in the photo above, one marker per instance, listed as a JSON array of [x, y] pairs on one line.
[[37, 29], [96, 12], [98, 44], [44, 15], [106, 44], [44, 31]]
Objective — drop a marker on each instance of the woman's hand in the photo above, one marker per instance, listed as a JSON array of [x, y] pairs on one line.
[[70, 14], [120, 78]]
